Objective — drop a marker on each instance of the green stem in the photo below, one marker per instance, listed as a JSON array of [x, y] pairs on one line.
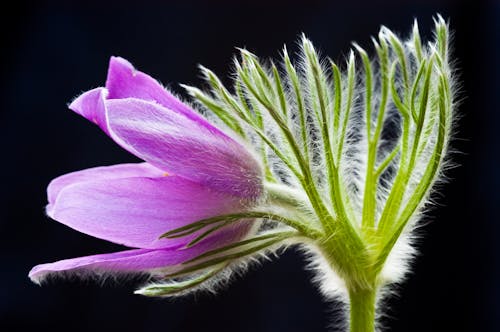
[[362, 314]]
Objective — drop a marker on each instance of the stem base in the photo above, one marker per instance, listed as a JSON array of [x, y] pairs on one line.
[[362, 310]]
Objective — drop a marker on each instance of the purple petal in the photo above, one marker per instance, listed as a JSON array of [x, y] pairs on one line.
[[136, 211], [174, 143], [176, 139], [101, 173], [124, 81], [151, 261], [91, 106], [130, 260]]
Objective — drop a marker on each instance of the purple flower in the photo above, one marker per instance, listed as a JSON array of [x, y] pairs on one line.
[[193, 170]]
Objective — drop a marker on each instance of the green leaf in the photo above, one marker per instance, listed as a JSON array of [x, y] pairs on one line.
[[245, 250], [178, 287], [216, 108], [307, 230]]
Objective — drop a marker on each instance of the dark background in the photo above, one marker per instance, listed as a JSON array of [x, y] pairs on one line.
[[51, 52]]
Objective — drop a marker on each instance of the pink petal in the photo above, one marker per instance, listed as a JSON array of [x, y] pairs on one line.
[[136, 211], [90, 105], [151, 261], [173, 138], [174, 143], [101, 173], [136, 261], [124, 81], [130, 260]]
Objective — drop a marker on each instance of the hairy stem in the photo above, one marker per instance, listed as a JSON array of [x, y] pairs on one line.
[[362, 310]]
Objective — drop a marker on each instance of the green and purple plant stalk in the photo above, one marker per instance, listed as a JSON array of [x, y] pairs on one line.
[[338, 159]]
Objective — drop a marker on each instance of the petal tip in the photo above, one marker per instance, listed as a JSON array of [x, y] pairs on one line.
[[37, 275], [53, 189], [119, 65], [91, 106], [49, 210], [83, 102], [119, 61]]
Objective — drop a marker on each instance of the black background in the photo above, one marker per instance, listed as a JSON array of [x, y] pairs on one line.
[[53, 51]]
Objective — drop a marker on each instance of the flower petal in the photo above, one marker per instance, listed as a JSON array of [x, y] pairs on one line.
[[91, 106], [101, 173], [177, 139], [124, 81], [136, 211], [178, 145], [130, 260], [136, 261]]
